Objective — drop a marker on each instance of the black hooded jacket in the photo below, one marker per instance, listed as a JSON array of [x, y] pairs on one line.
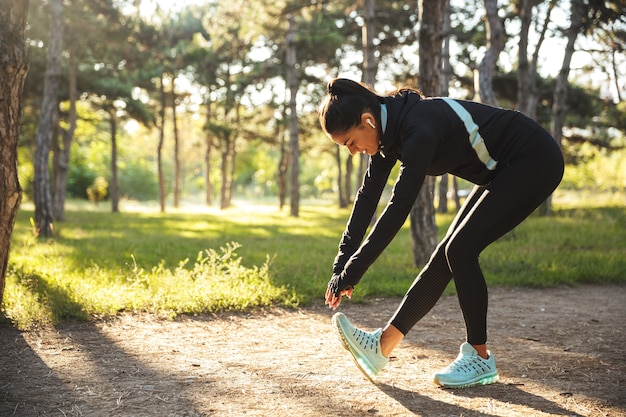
[[429, 138]]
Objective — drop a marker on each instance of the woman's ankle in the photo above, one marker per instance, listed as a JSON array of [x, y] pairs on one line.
[[390, 338], [482, 351]]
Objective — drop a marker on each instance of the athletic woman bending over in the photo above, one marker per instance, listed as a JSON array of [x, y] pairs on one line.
[[515, 165]]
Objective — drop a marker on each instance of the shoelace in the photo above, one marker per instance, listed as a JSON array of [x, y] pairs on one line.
[[366, 340], [468, 364]]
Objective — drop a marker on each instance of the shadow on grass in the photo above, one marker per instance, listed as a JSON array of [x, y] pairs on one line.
[[117, 244], [113, 241]]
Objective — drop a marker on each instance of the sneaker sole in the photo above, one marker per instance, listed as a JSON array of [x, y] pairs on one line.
[[484, 380], [363, 364]]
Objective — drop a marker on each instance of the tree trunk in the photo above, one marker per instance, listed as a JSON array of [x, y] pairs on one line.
[[370, 65], [446, 75], [224, 190], [527, 90], [160, 147], [523, 66], [422, 215], [283, 169], [347, 181], [487, 67], [559, 107], [455, 190], [616, 47], [430, 46], [442, 205], [531, 111], [342, 197], [208, 186], [446, 67], [48, 120], [423, 227], [176, 151], [115, 188], [13, 69], [61, 152], [232, 158], [292, 84], [370, 68]]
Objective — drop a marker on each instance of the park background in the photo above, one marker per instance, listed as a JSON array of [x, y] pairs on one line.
[[185, 171]]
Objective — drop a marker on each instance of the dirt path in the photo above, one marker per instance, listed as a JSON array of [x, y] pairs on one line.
[[560, 352]]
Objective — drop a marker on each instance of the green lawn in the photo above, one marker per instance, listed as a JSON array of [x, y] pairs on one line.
[[101, 263]]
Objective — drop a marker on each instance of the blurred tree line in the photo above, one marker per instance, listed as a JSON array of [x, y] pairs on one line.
[[151, 100]]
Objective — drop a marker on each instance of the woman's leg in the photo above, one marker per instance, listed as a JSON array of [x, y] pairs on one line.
[[489, 213], [512, 196], [434, 277], [427, 287]]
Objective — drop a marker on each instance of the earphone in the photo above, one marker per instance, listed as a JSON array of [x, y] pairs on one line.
[[369, 122]]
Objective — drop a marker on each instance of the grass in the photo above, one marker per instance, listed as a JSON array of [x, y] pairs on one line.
[[100, 263]]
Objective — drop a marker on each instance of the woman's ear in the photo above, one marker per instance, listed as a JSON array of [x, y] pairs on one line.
[[367, 119]]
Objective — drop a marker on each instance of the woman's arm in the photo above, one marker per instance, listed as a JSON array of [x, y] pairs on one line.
[[364, 208], [417, 154]]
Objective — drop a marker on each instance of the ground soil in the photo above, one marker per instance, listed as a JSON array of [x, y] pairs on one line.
[[560, 352]]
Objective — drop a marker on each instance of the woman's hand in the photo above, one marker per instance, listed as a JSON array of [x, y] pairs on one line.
[[333, 301]]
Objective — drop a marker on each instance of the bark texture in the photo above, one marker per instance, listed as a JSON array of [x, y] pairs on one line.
[[48, 121], [422, 216], [13, 69]]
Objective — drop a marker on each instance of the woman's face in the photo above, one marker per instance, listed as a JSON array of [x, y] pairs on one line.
[[360, 139]]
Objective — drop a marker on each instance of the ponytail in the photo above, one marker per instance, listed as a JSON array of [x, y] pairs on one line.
[[345, 102]]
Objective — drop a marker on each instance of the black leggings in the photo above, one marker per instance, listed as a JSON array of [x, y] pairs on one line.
[[488, 213]]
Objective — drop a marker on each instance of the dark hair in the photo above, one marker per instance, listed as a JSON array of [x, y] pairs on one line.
[[345, 102]]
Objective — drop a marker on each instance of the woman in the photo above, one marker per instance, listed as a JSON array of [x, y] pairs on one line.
[[515, 165]]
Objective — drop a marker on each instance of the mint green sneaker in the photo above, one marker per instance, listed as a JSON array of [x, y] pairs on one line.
[[468, 370], [363, 346]]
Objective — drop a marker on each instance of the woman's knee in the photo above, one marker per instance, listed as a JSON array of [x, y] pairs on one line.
[[459, 255]]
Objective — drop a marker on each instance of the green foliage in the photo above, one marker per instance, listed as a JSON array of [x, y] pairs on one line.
[[596, 169], [138, 181], [79, 179], [217, 281], [548, 251], [98, 191], [26, 176], [102, 263], [227, 62]]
